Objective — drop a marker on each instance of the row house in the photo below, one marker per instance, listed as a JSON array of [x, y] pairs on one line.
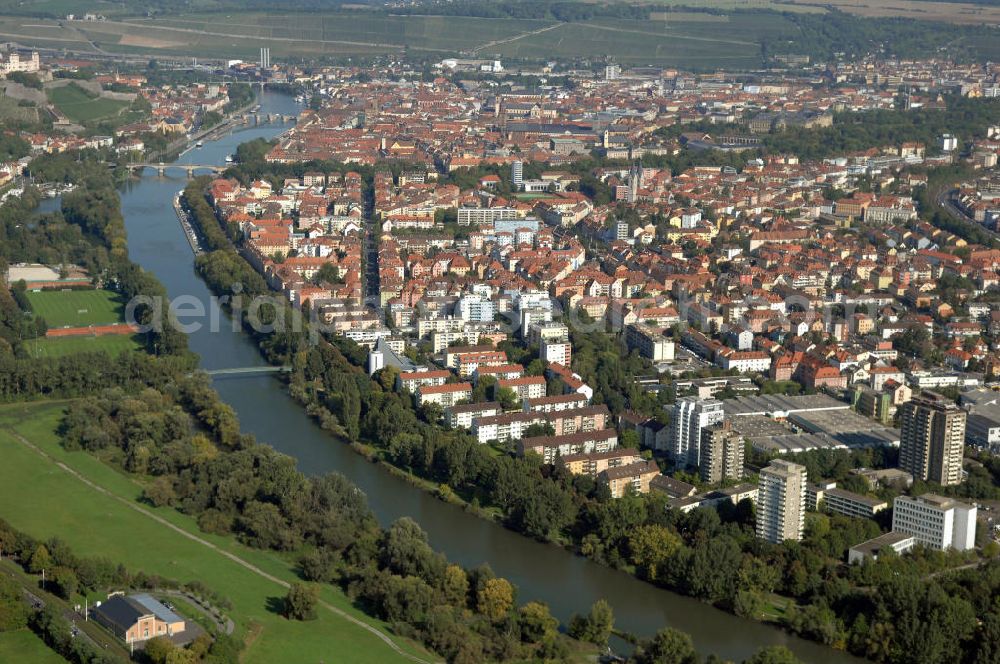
[[411, 380], [595, 463], [551, 448], [445, 395]]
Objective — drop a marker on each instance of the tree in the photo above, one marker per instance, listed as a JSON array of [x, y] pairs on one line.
[[495, 599], [748, 603], [987, 642], [535, 368], [507, 398], [300, 602], [537, 624], [668, 646], [650, 547], [158, 650], [39, 560], [596, 626], [328, 273], [160, 492], [773, 655], [64, 581], [181, 656], [455, 585]]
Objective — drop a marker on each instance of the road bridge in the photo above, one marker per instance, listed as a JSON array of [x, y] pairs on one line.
[[161, 167]]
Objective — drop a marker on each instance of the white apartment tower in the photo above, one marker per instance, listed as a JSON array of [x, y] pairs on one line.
[[690, 416], [517, 175], [781, 502]]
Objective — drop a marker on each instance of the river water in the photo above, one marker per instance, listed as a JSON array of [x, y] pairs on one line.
[[567, 583]]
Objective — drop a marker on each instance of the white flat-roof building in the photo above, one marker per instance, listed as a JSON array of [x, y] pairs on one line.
[[898, 542], [936, 521]]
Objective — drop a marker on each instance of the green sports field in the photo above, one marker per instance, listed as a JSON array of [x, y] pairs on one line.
[[108, 524], [59, 346], [24, 646], [77, 308]]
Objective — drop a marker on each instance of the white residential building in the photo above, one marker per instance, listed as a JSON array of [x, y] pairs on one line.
[[781, 502], [412, 380], [462, 415], [427, 326], [690, 416], [525, 387], [476, 308], [560, 352], [445, 395], [756, 361], [516, 175], [478, 216], [649, 342]]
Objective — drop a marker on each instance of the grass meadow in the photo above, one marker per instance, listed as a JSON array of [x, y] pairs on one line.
[[25, 646], [80, 106], [45, 500], [60, 346]]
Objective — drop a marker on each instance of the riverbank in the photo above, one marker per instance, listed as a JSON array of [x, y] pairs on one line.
[[189, 231]]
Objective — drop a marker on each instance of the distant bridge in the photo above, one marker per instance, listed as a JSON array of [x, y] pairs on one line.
[[247, 370], [161, 167]]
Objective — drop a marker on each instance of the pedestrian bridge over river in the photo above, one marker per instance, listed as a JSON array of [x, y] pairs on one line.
[[240, 371]]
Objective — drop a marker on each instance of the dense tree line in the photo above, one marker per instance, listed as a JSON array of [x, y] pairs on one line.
[[75, 375], [240, 95], [239, 487], [547, 9], [209, 228], [823, 36], [13, 147], [859, 131], [280, 330]]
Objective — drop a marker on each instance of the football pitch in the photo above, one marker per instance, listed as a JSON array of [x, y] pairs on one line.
[[77, 308]]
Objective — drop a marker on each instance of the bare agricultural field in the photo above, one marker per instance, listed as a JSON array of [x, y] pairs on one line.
[[680, 17], [777, 5], [946, 12], [147, 42]]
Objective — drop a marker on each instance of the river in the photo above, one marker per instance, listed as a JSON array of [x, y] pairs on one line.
[[567, 583]]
